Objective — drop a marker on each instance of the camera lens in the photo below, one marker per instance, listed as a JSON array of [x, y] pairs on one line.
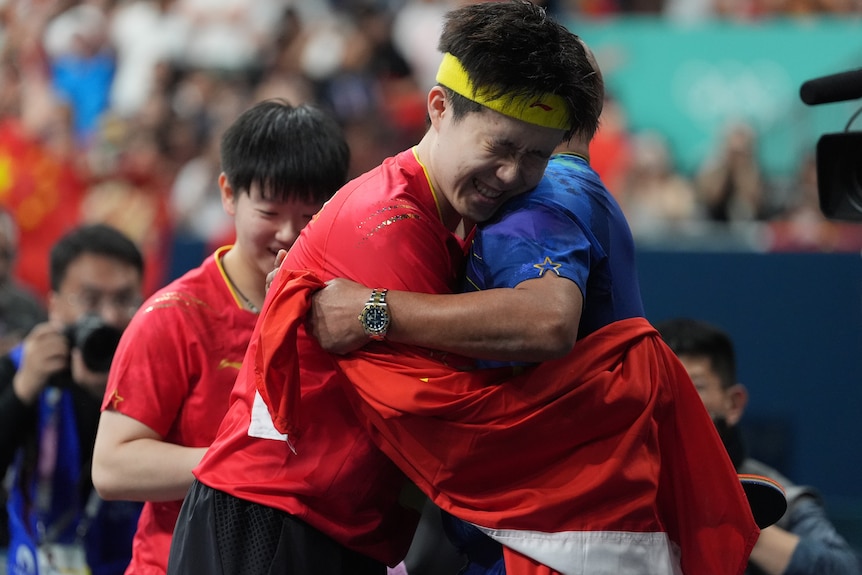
[[97, 341]]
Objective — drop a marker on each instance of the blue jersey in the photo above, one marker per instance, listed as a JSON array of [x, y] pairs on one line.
[[569, 225]]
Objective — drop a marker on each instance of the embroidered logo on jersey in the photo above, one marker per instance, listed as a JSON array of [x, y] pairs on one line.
[[228, 363], [546, 266], [174, 299], [116, 399], [384, 217]]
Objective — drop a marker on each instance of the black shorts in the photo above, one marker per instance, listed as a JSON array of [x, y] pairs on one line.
[[219, 534]]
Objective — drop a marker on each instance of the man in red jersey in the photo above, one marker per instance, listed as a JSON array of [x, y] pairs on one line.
[[171, 378], [331, 505]]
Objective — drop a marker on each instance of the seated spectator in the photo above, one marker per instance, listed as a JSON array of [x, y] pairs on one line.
[[803, 541]]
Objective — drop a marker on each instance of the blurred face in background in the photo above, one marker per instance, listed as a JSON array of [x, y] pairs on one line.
[[100, 285], [97, 284]]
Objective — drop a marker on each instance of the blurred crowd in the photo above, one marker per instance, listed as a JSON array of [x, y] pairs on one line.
[[111, 111]]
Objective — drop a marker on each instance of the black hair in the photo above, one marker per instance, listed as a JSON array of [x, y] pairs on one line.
[[98, 239], [289, 151], [513, 48], [687, 336]]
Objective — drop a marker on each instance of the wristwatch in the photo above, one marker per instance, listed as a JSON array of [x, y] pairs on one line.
[[375, 315]]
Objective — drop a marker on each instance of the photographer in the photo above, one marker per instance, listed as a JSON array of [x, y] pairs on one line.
[[51, 388]]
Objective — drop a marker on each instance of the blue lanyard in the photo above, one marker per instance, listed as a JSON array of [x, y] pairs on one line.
[[57, 501]]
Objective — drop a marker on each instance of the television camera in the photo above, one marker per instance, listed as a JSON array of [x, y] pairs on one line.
[[839, 155]]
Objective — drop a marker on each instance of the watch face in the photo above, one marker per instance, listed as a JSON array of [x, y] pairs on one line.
[[376, 319]]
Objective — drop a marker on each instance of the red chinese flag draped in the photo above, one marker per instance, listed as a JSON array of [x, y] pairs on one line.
[[609, 448]]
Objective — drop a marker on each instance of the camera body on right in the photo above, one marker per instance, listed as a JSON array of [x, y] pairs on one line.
[[839, 175], [839, 155]]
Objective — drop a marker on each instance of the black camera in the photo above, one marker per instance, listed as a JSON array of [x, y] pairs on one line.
[[839, 175], [839, 155], [97, 341]]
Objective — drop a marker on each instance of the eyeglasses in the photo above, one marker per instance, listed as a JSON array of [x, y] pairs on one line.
[[92, 301]]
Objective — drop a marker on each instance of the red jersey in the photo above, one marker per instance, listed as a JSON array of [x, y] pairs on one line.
[[382, 229], [173, 371]]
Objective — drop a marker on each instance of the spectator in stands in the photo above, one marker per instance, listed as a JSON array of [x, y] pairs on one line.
[[82, 64], [146, 36], [730, 183], [654, 196]]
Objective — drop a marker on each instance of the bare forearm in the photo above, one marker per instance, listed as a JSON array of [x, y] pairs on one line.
[[145, 470], [774, 549], [520, 324]]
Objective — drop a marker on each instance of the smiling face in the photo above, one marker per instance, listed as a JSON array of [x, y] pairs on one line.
[[265, 226], [482, 159]]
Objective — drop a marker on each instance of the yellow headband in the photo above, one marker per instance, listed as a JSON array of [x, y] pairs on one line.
[[548, 110]]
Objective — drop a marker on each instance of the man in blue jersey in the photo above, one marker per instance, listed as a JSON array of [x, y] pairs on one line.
[[569, 226]]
